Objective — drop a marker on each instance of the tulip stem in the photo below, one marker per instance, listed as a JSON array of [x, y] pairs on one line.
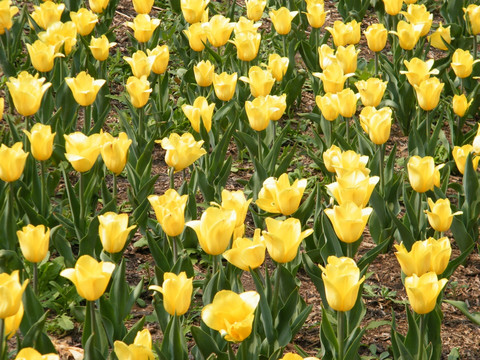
[[421, 337], [284, 38], [340, 331], [376, 64], [381, 148], [347, 132], [173, 243], [260, 155], [141, 120], [172, 178], [35, 278], [474, 47], [350, 250], [2, 337], [114, 190], [427, 126], [91, 304], [231, 355], [81, 196], [43, 198], [276, 288], [11, 214]]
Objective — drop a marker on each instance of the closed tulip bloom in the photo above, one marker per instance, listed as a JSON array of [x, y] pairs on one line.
[[371, 91], [11, 291], [115, 151], [98, 6], [282, 20], [140, 63], [12, 323], [170, 211], [84, 88], [423, 174], [461, 104], [326, 56], [141, 349], [200, 110], [7, 12], [283, 238], [439, 36], [258, 113], [460, 154], [142, 6], [328, 105], [60, 34], [292, 356], [219, 29], [472, 12], [113, 231], [231, 314], [81, 150], [279, 196], [143, 27], [47, 13], [419, 259], [204, 71], [247, 254], [351, 161], [418, 70], [348, 221], [245, 25], [34, 241], [418, 15], [193, 10], [331, 157], [342, 281], [316, 15], [377, 123], [85, 21], [197, 36], [214, 229], [423, 291], [347, 102], [224, 85], [278, 66], [393, 7], [247, 45], [42, 55], [276, 106], [41, 141], [333, 78], [12, 162], [162, 56], [139, 90], [408, 2], [428, 93], [408, 34], [345, 34], [100, 47], [261, 81], [27, 92], [235, 200], [376, 35], [347, 58], [255, 9], [462, 63], [353, 186], [182, 151], [177, 292], [32, 354], [440, 216]]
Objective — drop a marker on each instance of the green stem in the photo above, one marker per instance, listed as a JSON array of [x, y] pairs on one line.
[[284, 38], [347, 130], [2, 337], [115, 190], [231, 355], [35, 278], [172, 178], [427, 126], [340, 332], [474, 47], [44, 197], [276, 289], [376, 64], [457, 136], [87, 115], [82, 199], [260, 148], [215, 264], [330, 133], [92, 317], [141, 122], [350, 250], [11, 214], [421, 337], [381, 148], [173, 244]]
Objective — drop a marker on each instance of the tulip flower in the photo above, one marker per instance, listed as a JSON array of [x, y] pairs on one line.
[[258, 113], [193, 10], [328, 105], [177, 292], [347, 102], [12, 162], [348, 221], [440, 216], [418, 70], [100, 47], [140, 349], [423, 174], [12, 323], [350, 161], [423, 291], [89, 277], [292, 356], [47, 13], [200, 109], [82, 151], [408, 34], [142, 6], [282, 20], [113, 231], [376, 35], [84, 88], [231, 314], [197, 36], [428, 93], [261, 81], [219, 29], [115, 151], [204, 71], [277, 66], [371, 91], [27, 92], [98, 6], [376, 123], [341, 277], [32, 354], [161, 55], [247, 254], [139, 90], [34, 241], [170, 211], [326, 56], [42, 55], [182, 151], [316, 15], [143, 27], [245, 25], [41, 141], [331, 157], [60, 34], [345, 34], [462, 63], [247, 45], [418, 15], [347, 58], [84, 20], [472, 11], [460, 155], [440, 37], [224, 85], [353, 186], [7, 12], [11, 291], [235, 200], [276, 106], [393, 7], [283, 238], [333, 78], [140, 63], [255, 9], [461, 104]]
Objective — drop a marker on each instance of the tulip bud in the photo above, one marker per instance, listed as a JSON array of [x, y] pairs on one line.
[[161, 55], [142, 6], [371, 91], [197, 36], [345, 34], [347, 58], [333, 78], [34, 241], [462, 63], [440, 36], [350, 161], [276, 106], [460, 155], [423, 291], [440, 216], [115, 151], [100, 47], [98, 6], [316, 15], [278, 66], [255, 9], [84, 88], [473, 14], [177, 292], [326, 56], [331, 157], [41, 141], [42, 55], [423, 174], [282, 20], [60, 34], [328, 105], [261, 81], [7, 12], [428, 93], [82, 151], [201, 109], [12, 162], [27, 92], [247, 45], [353, 186], [224, 85], [418, 15], [12, 323], [418, 70], [139, 90], [461, 104], [247, 254], [193, 10], [292, 356], [219, 29], [376, 123], [347, 102], [376, 35], [408, 34], [11, 292], [393, 7], [84, 20], [182, 151], [47, 14], [140, 349], [204, 71], [258, 113], [348, 221], [143, 27], [113, 231], [140, 63], [32, 354], [170, 211], [235, 200]]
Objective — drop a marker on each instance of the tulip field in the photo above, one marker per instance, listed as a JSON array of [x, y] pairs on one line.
[[196, 179]]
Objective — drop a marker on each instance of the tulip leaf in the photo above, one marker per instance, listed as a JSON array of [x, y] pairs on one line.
[[463, 307], [404, 353], [455, 263], [411, 340], [158, 256], [405, 235], [264, 309], [353, 343], [62, 245], [130, 336], [206, 344], [372, 254], [9, 261], [328, 337]]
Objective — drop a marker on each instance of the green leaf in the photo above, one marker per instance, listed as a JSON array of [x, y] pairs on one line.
[[264, 309], [205, 343], [462, 306]]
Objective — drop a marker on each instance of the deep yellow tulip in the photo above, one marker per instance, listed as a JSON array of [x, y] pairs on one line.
[[460, 154], [376, 123], [440, 216], [140, 63], [423, 291], [354, 186], [428, 93], [115, 151], [203, 72], [331, 157], [326, 56], [170, 211], [258, 113], [282, 20], [341, 277], [247, 45], [316, 15], [261, 81], [461, 104], [278, 66], [82, 151], [247, 254], [60, 34], [348, 220], [376, 35], [11, 291], [418, 70], [328, 105], [347, 58], [42, 55], [177, 292], [32, 354], [84, 20], [7, 12], [292, 356], [418, 15], [245, 25], [182, 151], [393, 7], [142, 6], [200, 110], [47, 13], [27, 92], [143, 27], [472, 12], [193, 10], [89, 277], [41, 141], [255, 9], [349, 161], [408, 34], [197, 36], [113, 231], [100, 47], [140, 349], [12, 323], [439, 36], [98, 6], [333, 78], [34, 242], [225, 85], [139, 90], [462, 63], [371, 91], [12, 162], [219, 29], [276, 106], [84, 88], [423, 174], [347, 102], [162, 56], [235, 200], [345, 33]]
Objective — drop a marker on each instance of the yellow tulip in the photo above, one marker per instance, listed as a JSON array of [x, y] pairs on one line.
[[276, 106], [376, 123], [326, 56], [12, 162], [7, 12], [32, 354], [182, 151], [418, 70], [140, 349], [12, 323], [247, 45], [235, 200], [170, 211], [261, 81], [11, 292], [2, 107], [84, 88], [41, 141], [89, 277], [371, 91], [113, 231], [376, 35], [197, 36], [461, 104], [341, 277], [423, 174], [282, 20], [47, 13], [42, 55], [345, 34], [408, 34], [278, 66], [142, 6], [393, 7], [439, 36], [279, 196], [353, 186], [418, 15], [428, 93], [328, 105], [258, 113], [460, 154], [473, 13], [348, 221], [214, 229], [27, 92], [462, 63], [162, 56], [423, 291], [100, 47], [224, 85], [203, 72], [143, 27], [247, 254], [245, 25], [200, 109], [140, 63], [98, 6], [316, 15], [292, 356], [139, 90], [177, 292], [115, 151], [81, 150], [34, 242], [347, 58], [283, 238], [219, 29], [255, 9], [193, 10], [331, 157], [60, 34], [347, 102], [440, 216], [84, 20], [349, 161], [333, 78]]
